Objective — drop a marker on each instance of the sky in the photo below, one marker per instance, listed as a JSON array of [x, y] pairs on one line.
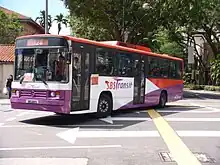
[[31, 8]]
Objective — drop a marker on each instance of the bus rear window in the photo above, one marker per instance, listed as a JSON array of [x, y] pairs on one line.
[[164, 68]]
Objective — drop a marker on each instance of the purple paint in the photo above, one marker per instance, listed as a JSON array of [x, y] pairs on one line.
[[63, 105], [152, 98], [45, 102]]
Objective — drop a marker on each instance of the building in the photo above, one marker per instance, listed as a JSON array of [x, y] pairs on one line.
[[6, 64], [30, 27]]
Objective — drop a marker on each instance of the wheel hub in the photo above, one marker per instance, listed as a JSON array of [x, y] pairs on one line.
[[103, 106]]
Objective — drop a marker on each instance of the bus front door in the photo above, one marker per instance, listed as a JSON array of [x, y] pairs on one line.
[[81, 77], [139, 82]]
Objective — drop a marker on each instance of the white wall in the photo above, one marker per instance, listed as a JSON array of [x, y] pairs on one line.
[[5, 71]]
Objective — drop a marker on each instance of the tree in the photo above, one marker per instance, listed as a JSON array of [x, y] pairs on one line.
[[168, 46], [183, 19], [10, 28], [119, 20], [215, 69], [82, 28], [41, 19], [60, 19]]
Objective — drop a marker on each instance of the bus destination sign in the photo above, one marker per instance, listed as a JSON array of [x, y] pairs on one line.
[[41, 41], [37, 42]]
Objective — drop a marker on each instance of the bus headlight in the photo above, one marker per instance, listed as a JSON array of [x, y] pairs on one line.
[[52, 94], [55, 94]]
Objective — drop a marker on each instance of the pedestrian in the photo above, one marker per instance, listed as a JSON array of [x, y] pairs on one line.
[[8, 85]]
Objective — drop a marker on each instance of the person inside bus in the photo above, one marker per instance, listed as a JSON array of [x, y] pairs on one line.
[[76, 67], [40, 65], [60, 68]]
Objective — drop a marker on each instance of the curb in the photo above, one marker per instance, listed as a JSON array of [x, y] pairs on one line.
[[202, 92]]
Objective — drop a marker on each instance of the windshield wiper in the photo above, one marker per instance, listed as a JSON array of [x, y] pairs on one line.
[[43, 81], [21, 79]]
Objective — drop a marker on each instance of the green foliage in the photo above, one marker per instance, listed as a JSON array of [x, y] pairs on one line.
[[187, 78], [41, 19], [194, 87], [61, 20], [167, 46], [118, 20], [202, 87], [212, 88], [82, 28], [10, 28], [215, 70], [182, 18]]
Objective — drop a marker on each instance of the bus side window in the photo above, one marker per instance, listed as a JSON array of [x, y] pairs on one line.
[[126, 64], [104, 62], [154, 67], [164, 68], [175, 70]]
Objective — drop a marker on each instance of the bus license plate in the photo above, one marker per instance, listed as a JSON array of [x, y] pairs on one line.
[[32, 101]]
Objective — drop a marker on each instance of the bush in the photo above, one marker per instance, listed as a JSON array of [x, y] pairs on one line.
[[194, 87], [187, 78], [202, 87], [212, 88]]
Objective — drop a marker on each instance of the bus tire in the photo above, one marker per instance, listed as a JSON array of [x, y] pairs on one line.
[[163, 99], [104, 107]]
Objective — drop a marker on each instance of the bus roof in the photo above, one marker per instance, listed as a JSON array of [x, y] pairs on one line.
[[109, 44]]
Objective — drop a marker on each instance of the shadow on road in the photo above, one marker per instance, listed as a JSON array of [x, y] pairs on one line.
[[90, 121]]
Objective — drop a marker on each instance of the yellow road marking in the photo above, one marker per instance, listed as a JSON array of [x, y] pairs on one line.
[[179, 151]]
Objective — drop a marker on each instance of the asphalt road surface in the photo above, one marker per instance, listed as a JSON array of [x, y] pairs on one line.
[[185, 132]]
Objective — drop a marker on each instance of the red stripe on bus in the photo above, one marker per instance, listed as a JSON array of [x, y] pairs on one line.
[[164, 83]]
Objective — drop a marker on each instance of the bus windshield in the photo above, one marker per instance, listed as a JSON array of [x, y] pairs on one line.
[[46, 64]]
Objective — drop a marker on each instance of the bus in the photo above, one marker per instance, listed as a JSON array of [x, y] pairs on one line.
[[65, 75]]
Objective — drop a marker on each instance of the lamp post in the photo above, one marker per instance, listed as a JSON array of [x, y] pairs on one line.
[[46, 18]]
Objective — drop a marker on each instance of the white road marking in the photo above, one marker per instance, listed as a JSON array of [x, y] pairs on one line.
[[192, 119], [69, 135], [186, 111], [107, 120], [207, 107], [166, 118], [11, 119], [132, 134], [197, 133], [32, 126], [22, 114], [131, 119], [60, 147], [44, 161]]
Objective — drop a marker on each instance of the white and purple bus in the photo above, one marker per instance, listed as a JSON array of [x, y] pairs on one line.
[[65, 74]]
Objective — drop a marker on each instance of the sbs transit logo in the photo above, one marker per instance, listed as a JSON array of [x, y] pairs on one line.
[[118, 84]]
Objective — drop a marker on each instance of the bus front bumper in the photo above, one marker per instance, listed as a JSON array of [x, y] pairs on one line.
[[40, 104]]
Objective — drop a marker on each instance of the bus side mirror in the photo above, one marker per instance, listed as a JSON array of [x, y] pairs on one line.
[[68, 58]]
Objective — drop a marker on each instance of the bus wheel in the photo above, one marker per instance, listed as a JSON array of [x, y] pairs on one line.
[[163, 99], [104, 107]]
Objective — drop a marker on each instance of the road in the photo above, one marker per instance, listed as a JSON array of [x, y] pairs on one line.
[[185, 132]]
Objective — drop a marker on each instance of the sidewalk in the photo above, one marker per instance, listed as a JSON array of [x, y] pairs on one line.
[[4, 102], [202, 91]]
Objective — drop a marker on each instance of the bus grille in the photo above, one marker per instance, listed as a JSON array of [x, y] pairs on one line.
[[33, 93]]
